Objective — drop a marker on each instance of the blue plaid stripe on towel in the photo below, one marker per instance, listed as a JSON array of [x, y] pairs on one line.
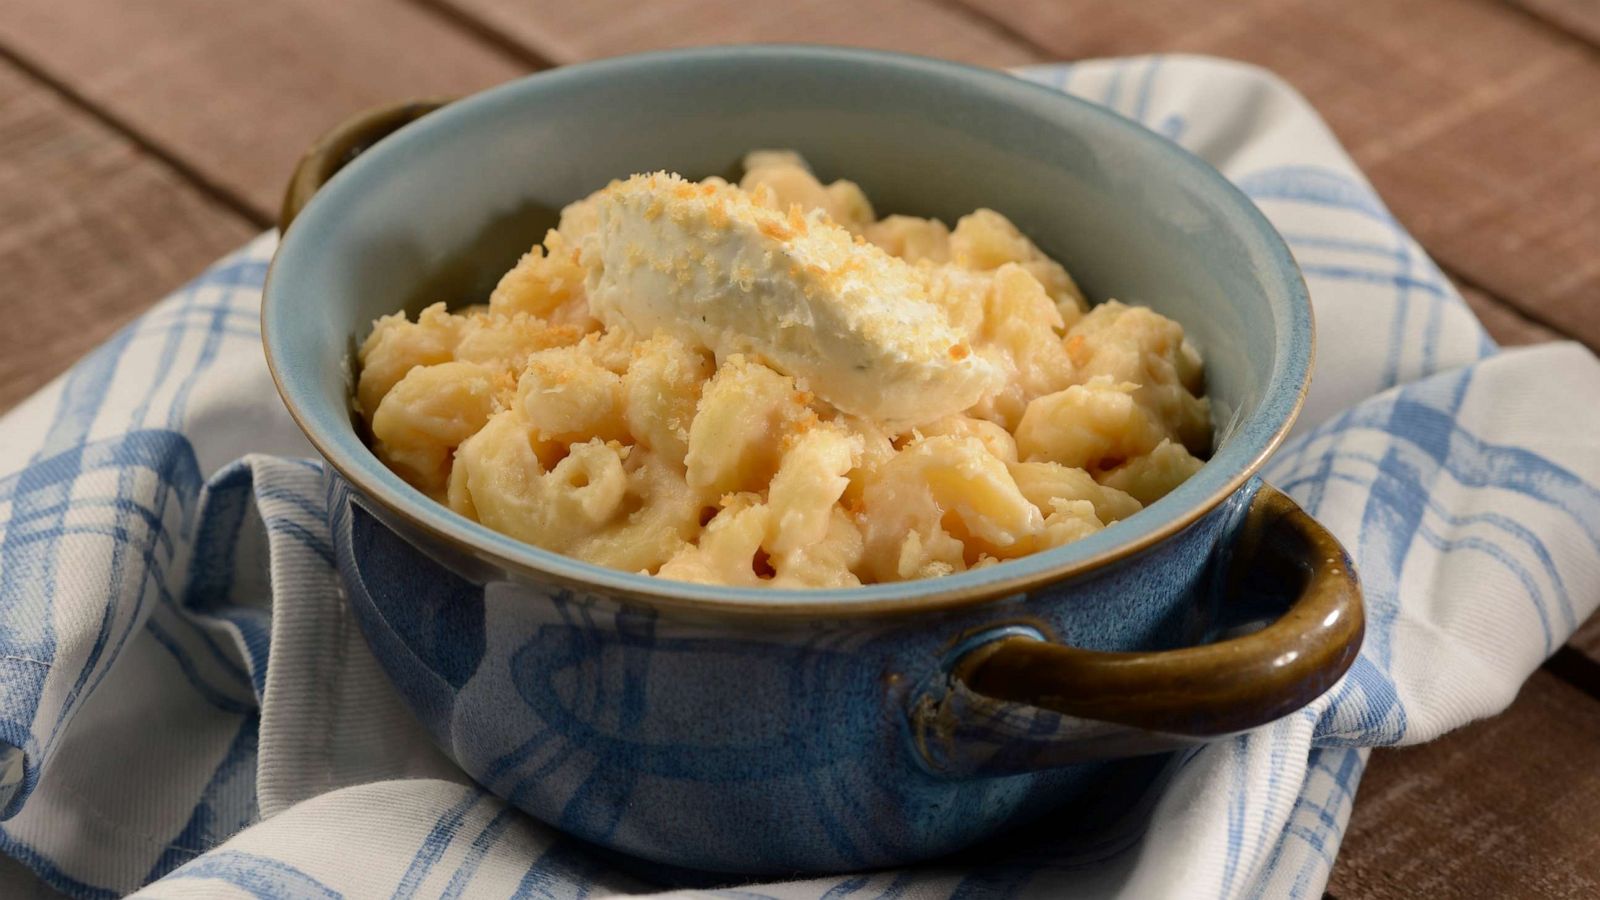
[[186, 707]]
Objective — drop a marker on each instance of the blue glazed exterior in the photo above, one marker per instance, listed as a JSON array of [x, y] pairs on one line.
[[753, 747], [683, 723]]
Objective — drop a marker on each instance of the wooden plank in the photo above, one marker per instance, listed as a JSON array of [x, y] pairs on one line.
[[1502, 808], [1478, 124], [1508, 326], [93, 230], [237, 90], [567, 32]]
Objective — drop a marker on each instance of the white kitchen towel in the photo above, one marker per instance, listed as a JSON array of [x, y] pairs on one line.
[[185, 703]]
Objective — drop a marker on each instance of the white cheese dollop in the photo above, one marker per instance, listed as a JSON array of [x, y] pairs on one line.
[[708, 264]]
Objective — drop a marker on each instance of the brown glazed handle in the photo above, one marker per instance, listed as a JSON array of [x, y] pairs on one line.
[[1214, 689], [336, 148]]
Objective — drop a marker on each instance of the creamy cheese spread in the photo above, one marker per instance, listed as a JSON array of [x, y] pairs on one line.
[[709, 265]]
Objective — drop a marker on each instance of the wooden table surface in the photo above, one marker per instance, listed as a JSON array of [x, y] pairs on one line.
[[140, 141]]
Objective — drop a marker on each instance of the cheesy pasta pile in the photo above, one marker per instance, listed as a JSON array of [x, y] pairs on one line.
[[744, 456]]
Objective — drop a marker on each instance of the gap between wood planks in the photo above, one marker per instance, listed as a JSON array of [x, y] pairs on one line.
[[1509, 325], [1576, 19], [994, 25], [475, 26], [144, 142]]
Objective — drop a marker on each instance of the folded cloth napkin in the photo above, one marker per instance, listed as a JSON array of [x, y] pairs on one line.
[[186, 704]]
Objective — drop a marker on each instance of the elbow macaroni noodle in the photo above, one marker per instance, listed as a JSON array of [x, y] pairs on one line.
[[644, 453]]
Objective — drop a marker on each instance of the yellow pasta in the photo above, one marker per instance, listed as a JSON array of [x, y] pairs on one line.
[[567, 396], [424, 417], [791, 183], [1150, 477], [576, 429], [734, 440], [807, 487], [660, 392], [1093, 425], [987, 240], [912, 239]]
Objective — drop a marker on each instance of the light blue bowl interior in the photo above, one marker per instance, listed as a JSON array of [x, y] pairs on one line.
[[440, 209]]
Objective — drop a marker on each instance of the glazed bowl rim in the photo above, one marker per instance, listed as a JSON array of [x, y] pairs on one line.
[[1244, 452]]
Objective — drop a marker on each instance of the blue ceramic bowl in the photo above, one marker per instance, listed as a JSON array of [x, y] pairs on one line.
[[781, 732]]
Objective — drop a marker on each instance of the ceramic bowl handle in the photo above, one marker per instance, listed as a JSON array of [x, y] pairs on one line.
[[343, 143], [1105, 704], [1213, 689]]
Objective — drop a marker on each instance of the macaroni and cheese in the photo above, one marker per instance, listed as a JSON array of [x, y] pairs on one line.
[[764, 384]]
